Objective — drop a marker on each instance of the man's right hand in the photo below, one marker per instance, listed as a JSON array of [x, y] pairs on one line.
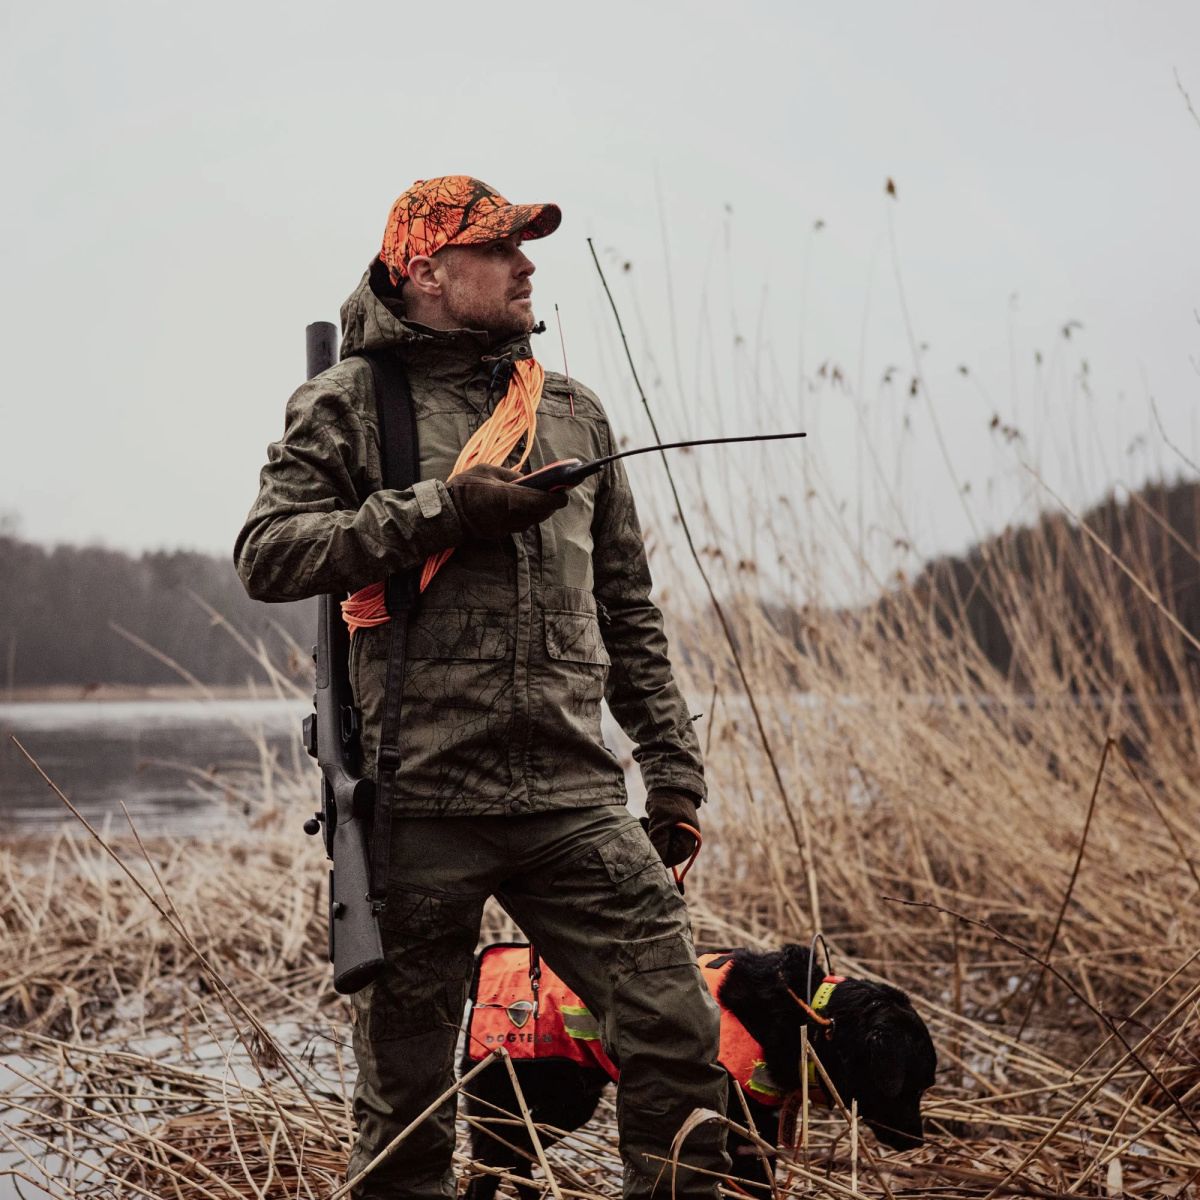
[[490, 505]]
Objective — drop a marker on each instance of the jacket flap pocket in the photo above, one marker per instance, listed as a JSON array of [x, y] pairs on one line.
[[470, 633], [575, 637]]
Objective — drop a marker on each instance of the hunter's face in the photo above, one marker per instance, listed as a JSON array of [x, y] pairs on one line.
[[488, 287]]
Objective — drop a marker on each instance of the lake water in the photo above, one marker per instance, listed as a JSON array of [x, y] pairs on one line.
[[151, 754], [164, 759]]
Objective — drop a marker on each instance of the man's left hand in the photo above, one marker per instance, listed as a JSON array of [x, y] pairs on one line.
[[666, 808]]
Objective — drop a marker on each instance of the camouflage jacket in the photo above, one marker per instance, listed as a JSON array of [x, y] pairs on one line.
[[515, 641]]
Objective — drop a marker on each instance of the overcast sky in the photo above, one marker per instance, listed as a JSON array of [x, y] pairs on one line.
[[188, 185]]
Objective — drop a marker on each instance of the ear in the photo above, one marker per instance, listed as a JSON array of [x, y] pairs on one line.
[[886, 1062], [423, 275]]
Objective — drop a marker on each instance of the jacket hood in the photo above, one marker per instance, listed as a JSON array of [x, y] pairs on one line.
[[373, 319]]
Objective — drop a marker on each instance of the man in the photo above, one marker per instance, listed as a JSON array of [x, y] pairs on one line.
[[533, 608]]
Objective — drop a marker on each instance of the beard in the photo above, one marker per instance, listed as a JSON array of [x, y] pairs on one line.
[[499, 317]]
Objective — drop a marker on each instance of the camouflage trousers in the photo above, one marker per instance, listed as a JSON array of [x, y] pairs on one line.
[[587, 888]]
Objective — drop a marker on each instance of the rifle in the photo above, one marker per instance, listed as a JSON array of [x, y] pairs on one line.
[[331, 736]]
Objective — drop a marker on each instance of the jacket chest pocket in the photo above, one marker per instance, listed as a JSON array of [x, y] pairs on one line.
[[460, 633], [459, 659], [576, 670], [575, 637]]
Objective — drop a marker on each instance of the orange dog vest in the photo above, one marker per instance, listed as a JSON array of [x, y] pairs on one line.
[[502, 1014]]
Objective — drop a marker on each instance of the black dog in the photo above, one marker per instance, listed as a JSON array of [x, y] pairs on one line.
[[868, 1037]]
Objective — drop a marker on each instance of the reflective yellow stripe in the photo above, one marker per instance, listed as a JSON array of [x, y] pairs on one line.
[[580, 1024], [760, 1081]]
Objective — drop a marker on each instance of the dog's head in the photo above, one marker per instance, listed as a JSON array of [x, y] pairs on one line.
[[879, 1053]]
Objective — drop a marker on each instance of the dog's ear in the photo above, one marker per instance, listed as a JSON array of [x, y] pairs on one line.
[[793, 966], [886, 1058]]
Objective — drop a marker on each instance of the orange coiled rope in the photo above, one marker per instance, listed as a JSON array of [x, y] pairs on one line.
[[514, 417]]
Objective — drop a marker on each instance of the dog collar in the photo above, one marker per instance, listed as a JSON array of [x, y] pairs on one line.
[[822, 995], [820, 1000]]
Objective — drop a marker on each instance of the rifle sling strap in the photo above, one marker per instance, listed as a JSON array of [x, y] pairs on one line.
[[400, 470]]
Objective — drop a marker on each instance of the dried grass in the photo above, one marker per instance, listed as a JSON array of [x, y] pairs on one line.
[[1023, 860]]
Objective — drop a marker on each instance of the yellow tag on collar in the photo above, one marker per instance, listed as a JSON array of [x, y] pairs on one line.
[[822, 996]]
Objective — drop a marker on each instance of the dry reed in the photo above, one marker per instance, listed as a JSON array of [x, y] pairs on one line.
[[1019, 852]]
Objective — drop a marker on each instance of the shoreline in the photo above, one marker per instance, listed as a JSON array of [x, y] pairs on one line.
[[101, 693]]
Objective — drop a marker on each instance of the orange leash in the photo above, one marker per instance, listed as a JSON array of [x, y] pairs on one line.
[[680, 875], [826, 1022], [497, 437], [514, 417]]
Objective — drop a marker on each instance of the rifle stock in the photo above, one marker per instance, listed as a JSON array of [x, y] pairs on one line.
[[331, 736]]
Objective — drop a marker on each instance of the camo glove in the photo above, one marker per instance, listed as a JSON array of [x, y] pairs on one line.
[[666, 807], [490, 505]]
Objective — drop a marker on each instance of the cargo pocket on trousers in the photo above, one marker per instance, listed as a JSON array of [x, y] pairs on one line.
[[669, 951], [629, 853], [428, 942]]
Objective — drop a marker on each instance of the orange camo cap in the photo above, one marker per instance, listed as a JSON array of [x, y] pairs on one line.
[[456, 210]]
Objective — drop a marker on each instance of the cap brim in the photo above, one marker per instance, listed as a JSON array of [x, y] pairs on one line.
[[543, 220], [529, 220]]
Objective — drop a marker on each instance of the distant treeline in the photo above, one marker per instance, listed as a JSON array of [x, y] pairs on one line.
[[1053, 571], [58, 606], [1109, 603], [1050, 583]]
